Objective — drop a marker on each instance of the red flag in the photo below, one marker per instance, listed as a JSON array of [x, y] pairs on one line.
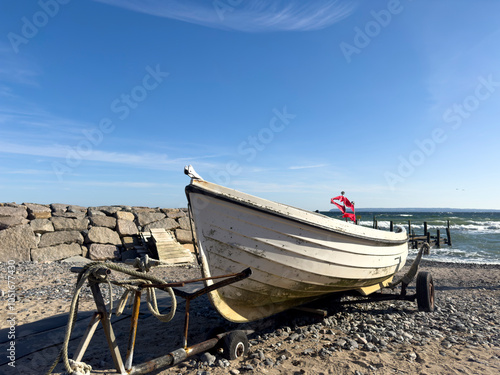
[[346, 203]]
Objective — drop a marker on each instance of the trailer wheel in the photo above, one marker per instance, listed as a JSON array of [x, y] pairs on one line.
[[235, 345], [425, 292]]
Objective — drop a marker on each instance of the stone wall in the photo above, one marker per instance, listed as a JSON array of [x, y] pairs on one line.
[[58, 231]]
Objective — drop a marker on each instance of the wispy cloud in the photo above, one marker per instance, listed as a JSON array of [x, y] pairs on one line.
[[127, 184], [148, 160], [293, 167], [247, 16], [16, 69]]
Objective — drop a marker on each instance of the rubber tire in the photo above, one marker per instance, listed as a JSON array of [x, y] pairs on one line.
[[425, 292], [235, 345]]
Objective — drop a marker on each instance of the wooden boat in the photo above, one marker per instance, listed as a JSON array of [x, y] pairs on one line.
[[295, 255]]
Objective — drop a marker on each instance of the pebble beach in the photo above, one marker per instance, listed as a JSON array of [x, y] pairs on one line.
[[461, 336]]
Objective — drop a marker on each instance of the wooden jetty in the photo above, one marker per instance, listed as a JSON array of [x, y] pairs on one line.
[[416, 240]]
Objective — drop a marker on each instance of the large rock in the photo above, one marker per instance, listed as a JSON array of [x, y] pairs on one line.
[[103, 252], [124, 215], [18, 211], [143, 209], [62, 223], [61, 237], [59, 207], [126, 228], [69, 215], [38, 211], [16, 242], [41, 226], [184, 223], [167, 224], [103, 221], [145, 218], [108, 210], [58, 252], [183, 236], [103, 235], [74, 208], [174, 213], [12, 221]]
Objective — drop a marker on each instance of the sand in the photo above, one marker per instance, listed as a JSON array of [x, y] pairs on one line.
[[470, 291]]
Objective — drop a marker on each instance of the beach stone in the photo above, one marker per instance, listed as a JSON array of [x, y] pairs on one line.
[[61, 237], [16, 242], [38, 211], [78, 259], [184, 223], [183, 236], [209, 358], [58, 252], [145, 218], [103, 252], [18, 211], [41, 226], [103, 221], [167, 224], [102, 235], [59, 207], [126, 228], [62, 223], [12, 221], [124, 215]]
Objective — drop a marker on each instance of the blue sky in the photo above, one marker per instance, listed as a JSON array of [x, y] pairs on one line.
[[395, 102]]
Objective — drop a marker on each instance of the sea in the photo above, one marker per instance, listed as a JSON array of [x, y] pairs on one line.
[[475, 236]]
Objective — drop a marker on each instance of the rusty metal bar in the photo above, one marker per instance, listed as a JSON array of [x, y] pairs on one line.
[[174, 357], [182, 283], [186, 324], [134, 319], [233, 278]]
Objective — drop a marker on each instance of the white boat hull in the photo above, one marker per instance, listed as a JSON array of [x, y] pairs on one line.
[[295, 255]]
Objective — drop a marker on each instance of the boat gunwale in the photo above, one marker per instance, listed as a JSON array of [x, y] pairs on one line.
[[191, 188]]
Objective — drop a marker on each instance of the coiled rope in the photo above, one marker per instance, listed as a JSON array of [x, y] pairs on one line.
[[89, 273]]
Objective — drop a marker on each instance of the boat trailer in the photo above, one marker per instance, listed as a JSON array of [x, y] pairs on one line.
[[425, 292], [233, 344]]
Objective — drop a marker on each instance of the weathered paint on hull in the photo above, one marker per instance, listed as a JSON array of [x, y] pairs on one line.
[[292, 261]]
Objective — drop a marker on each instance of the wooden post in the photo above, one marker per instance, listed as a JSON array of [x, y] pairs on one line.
[[425, 228], [438, 239], [409, 227], [391, 228], [429, 238], [448, 234]]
